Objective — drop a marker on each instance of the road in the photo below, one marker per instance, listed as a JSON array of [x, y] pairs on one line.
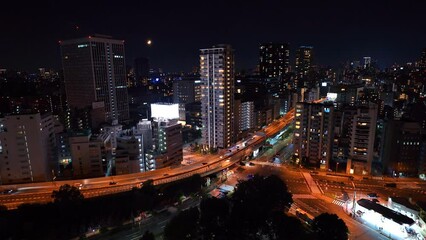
[[41, 192]]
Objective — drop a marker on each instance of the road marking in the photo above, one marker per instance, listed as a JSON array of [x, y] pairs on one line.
[[338, 202]]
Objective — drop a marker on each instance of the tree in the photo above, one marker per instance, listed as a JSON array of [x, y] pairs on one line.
[[183, 226], [253, 203], [330, 226], [67, 194], [148, 236], [213, 218], [282, 227]]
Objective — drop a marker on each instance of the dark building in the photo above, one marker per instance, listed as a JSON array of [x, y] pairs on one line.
[[186, 91], [141, 68], [95, 76], [401, 153], [193, 114], [423, 58], [274, 59]]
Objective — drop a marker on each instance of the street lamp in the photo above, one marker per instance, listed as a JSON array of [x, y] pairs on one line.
[[337, 165]]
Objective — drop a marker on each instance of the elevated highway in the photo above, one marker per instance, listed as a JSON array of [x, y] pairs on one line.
[[41, 192]]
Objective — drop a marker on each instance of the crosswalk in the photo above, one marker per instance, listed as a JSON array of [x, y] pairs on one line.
[[338, 202]]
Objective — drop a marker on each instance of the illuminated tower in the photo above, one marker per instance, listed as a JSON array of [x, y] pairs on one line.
[[274, 59], [217, 100], [304, 59]]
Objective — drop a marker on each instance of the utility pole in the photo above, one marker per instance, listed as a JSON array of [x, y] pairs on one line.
[[354, 201]]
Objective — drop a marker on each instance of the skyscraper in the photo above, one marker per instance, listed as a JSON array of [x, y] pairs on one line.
[[304, 59], [95, 77], [274, 59], [217, 98]]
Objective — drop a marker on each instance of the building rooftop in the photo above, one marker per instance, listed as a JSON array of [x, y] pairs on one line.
[[385, 212], [405, 202]]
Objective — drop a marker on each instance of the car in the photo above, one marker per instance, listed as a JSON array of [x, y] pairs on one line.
[[242, 163], [251, 164], [375, 200], [165, 175], [204, 163], [112, 183], [8, 191]]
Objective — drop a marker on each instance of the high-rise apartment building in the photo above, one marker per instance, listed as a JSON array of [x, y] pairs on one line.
[[304, 61], [313, 134], [363, 132], [27, 151], [217, 99], [274, 59], [95, 77]]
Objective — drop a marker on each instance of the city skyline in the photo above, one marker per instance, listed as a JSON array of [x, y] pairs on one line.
[[338, 32]]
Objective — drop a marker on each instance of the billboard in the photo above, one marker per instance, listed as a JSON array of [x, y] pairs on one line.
[[165, 110], [331, 96]]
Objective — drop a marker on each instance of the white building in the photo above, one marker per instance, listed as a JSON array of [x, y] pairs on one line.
[[217, 98], [27, 148]]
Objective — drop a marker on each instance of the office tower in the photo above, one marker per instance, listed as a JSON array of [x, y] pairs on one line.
[[27, 152], [141, 68], [217, 103], [362, 140], [304, 61], [274, 59], [186, 91], [95, 77], [401, 151], [313, 134]]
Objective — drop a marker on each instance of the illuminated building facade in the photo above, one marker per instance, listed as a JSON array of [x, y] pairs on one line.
[[304, 61], [313, 133], [167, 135], [362, 140], [95, 77], [274, 59], [217, 99]]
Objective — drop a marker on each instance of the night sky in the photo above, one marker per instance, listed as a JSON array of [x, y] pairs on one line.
[[389, 31]]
